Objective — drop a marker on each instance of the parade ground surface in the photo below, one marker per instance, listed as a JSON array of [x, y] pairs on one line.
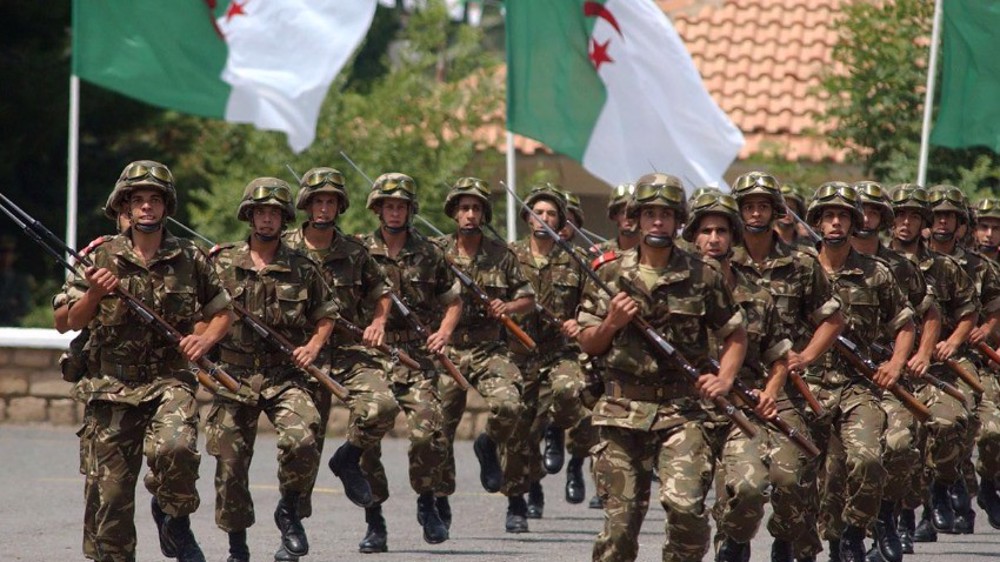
[[41, 512]]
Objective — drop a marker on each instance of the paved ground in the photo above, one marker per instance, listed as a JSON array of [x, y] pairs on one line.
[[41, 512]]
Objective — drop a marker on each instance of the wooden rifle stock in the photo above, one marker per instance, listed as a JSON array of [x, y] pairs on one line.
[[421, 329], [511, 326], [916, 407], [794, 435], [800, 385], [356, 332], [885, 353]]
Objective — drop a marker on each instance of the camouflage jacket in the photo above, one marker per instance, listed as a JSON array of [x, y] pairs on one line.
[[915, 288], [688, 301], [801, 289], [495, 270], [557, 280], [952, 287], [985, 274], [135, 362], [356, 281], [421, 277], [767, 336], [874, 310]]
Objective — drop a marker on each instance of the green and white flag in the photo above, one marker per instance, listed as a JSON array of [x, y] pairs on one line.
[[610, 84], [265, 62]]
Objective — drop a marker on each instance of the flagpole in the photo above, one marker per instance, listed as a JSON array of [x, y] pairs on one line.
[[925, 132], [72, 160], [512, 183]]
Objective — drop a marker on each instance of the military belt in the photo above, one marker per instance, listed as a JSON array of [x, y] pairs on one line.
[[141, 372], [402, 336], [472, 339], [643, 393], [254, 360]]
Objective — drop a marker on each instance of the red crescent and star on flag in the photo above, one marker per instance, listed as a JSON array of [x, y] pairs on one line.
[[235, 9], [599, 51]]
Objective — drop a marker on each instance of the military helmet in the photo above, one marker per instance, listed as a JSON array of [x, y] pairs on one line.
[[659, 189], [911, 196], [871, 193], [471, 186], [620, 196], [394, 185], [791, 191], [943, 198], [987, 207], [266, 191], [322, 180], [574, 207], [708, 201], [147, 174], [760, 183], [836, 194], [546, 192]]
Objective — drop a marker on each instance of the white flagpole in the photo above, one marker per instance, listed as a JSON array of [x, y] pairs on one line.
[[925, 132], [72, 160], [512, 183]]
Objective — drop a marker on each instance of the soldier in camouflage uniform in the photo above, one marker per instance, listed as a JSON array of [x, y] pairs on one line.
[[741, 472], [950, 213], [650, 410], [283, 288], [787, 226], [554, 368], [142, 391], [628, 233], [356, 283], [941, 442], [901, 457], [876, 310], [804, 297], [479, 352], [417, 270]]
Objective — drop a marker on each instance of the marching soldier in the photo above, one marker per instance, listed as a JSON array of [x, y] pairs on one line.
[[480, 353], [284, 289], [649, 411], [741, 472], [801, 291], [553, 370], [142, 391], [356, 282], [628, 234], [787, 226], [417, 270]]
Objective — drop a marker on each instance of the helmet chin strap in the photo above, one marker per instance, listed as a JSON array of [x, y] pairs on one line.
[[835, 241], [469, 230], [658, 241], [540, 234], [943, 236], [326, 225], [629, 233], [266, 237], [148, 228], [756, 229], [866, 233]]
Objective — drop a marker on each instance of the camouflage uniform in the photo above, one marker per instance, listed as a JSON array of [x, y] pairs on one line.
[[802, 293], [289, 295], [141, 393], [478, 351], [650, 410], [356, 281], [426, 285]]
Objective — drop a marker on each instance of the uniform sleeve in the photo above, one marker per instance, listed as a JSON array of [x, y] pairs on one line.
[[776, 342], [323, 305], [593, 304], [820, 301], [896, 311], [990, 293], [965, 300], [518, 285], [447, 289], [213, 295], [722, 315], [374, 278]]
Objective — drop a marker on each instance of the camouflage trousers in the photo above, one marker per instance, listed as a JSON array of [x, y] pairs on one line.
[[901, 457], [986, 434], [372, 406], [850, 492], [741, 485], [231, 431], [498, 381], [792, 475], [684, 457], [417, 394], [164, 431]]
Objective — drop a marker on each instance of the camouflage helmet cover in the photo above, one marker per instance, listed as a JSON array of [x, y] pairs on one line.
[[394, 185], [659, 189], [760, 183], [836, 194], [712, 201], [911, 196], [272, 192], [148, 174], [620, 196], [872, 193], [473, 187], [546, 192], [944, 198], [322, 180]]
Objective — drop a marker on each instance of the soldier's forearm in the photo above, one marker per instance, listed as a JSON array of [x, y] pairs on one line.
[[903, 345], [963, 329], [83, 311], [218, 326], [521, 305], [930, 332], [734, 351], [776, 378], [452, 314], [322, 333], [824, 336]]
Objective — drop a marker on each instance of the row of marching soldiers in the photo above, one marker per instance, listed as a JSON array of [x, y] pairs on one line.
[[744, 305]]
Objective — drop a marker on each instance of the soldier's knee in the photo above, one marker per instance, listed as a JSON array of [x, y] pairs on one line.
[[508, 409]]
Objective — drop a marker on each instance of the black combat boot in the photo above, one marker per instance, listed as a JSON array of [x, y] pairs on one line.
[[159, 517], [444, 510], [344, 464], [886, 536], [989, 500], [852, 544], [536, 501], [781, 551], [961, 503], [286, 517], [834, 547], [180, 536], [517, 514], [435, 530], [907, 523], [238, 549], [732, 551], [490, 473], [942, 514], [377, 536], [283, 555], [555, 446], [925, 529], [576, 489], [596, 502]]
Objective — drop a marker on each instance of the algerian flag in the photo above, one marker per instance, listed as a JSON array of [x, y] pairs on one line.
[[610, 84], [265, 62]]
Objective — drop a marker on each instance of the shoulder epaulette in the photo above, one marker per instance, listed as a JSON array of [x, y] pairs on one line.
[[604, 258], [93, 245]]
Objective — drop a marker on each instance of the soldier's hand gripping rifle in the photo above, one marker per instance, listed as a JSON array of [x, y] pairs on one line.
[[659, 343], [884, 353], [421, 329], [46, 239]]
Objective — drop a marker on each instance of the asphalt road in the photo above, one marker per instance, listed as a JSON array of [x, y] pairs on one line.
[[41, 511]]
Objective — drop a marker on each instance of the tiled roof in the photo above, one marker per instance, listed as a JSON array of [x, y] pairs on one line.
[[761, 61]]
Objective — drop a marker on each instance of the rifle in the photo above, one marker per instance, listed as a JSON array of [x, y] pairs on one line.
[[421, 329], [800, 385], [850, 352], [36, 230], [885, 352], [658, 342]]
